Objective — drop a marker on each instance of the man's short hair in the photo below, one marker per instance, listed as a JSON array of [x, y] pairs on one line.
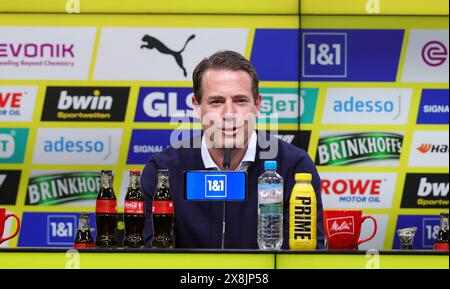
[[224, 60]]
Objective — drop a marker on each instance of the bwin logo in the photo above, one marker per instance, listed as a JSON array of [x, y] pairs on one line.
[[152, 42], [436, 189], [84, 102]]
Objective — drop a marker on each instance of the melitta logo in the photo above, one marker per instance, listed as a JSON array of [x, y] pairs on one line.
[[17, 103], [371, 106], [59, 188], [340, 226], [77, 146], [161, 104], [432, 148], [348, 149], [85, 103], [426, 191]]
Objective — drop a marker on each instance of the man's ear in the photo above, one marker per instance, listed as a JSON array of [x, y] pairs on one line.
[[258, 101], [197, 107]]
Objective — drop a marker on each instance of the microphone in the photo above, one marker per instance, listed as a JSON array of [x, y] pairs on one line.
[[227, 159]]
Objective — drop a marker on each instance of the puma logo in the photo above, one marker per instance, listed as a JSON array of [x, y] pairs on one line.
[[152, 42]]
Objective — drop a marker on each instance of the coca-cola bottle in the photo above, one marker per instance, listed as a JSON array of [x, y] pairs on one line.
[[441, 243], [163, 212], [106, 212], [134, 213], [83, 236]]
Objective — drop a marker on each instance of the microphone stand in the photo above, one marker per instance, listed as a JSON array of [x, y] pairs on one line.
[[226, 165]]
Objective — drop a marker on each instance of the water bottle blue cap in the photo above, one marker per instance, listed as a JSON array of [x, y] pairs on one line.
[[270, 165]]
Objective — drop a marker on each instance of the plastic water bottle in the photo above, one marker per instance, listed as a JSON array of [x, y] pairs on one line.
[[270, 208]]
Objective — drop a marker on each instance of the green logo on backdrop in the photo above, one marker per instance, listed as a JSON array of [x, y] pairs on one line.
[[63, 188], [13, 142], [359, 147], [288, 105]]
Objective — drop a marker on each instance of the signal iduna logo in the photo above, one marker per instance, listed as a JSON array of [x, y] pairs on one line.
[[358, 190], [365, 148], [17, 103], [426, 56], [429, 149], [77, 146], [369, 106], [46, 53]]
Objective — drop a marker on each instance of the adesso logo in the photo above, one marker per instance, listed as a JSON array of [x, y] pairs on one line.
[[285, 105], [158, 104], [358, 190], [433, 107], [13, 144], [77, 146], [17, 103], [369, 106]]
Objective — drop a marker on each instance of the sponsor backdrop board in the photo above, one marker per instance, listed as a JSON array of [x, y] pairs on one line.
[[85, 94]]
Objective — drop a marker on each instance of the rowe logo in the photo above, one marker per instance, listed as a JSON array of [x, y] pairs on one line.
[[431, 148], [436, 189], [340, 226], [354, 187], [10, 100]]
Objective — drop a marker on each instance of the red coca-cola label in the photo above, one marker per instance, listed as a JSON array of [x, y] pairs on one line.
[[134, 207], [342, 225], [162, 207], [83, 245], [106, 206]]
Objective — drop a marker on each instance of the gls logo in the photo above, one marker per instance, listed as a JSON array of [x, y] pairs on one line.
[[370, 106], [160, 104], [17, 103], [358, 190], [77, 146]]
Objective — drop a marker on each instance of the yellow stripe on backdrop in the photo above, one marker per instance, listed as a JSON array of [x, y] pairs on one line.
[[285, 7]]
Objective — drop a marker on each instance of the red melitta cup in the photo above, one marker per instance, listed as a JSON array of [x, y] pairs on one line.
[[343, 227], [3, 218]]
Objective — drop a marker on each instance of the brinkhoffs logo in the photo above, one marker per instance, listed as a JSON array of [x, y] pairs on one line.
[[355, 148], [59, 188]]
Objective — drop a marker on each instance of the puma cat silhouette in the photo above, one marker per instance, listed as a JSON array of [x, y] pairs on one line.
[[152, 42]]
